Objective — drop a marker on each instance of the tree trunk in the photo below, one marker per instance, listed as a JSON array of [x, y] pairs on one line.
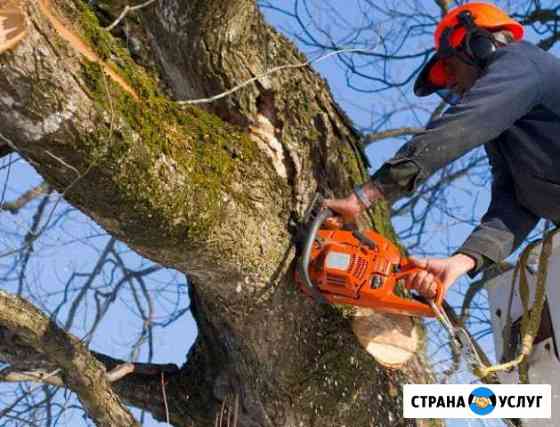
[[210, 192]]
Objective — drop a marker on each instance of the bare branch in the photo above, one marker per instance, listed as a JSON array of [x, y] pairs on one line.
[[269, 72], [164, 397], [83, 373], [126, 11], [443, 5], [46, 378], [541, 16], [377, 136], [547, 43], [37, 376], [124, 369], [119, 372], [477, 286], [14, 206]]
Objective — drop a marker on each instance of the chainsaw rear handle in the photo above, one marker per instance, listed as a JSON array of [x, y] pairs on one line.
[[303, 263], [438, 299]]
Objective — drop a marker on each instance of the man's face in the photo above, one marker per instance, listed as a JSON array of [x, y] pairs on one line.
[[462, 76]]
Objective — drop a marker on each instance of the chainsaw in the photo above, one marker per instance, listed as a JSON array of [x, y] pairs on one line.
[[345, 265]]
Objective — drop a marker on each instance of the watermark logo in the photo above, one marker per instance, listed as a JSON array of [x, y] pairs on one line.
[[482, 401], [476, 401]]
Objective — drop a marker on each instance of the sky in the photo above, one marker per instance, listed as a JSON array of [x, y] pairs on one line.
[[61, 251]]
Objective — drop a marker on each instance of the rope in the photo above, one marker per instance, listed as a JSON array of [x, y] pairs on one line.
[[507, 347], [531, 320]]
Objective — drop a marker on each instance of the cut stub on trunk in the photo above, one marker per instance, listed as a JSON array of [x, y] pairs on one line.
[[390, 338], [13, 26]]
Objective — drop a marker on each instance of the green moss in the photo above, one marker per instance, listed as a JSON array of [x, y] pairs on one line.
[[345, 310], [111, 50], [143, 140], [351, 166], [381, 218], [99, 39]]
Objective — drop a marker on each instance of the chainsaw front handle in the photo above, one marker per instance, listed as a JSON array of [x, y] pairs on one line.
[[438, 299], [303, 264]]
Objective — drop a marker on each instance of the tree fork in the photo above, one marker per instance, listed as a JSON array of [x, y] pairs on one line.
[[192, 192]]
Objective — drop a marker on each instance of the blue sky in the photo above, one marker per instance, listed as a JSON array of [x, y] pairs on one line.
[[61, 251]]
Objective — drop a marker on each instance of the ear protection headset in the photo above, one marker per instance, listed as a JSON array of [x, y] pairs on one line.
[[477, 46]]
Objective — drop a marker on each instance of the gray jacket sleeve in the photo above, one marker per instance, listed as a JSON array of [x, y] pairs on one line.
[[510, 87], [505, 225], [507, 90]]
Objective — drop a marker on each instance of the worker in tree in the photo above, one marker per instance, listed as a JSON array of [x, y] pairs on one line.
[[504, 93]]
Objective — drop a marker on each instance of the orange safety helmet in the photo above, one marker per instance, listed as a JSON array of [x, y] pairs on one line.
[[485, 16]]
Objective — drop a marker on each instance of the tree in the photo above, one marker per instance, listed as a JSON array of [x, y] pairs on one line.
[[211, 191], [208, 191]]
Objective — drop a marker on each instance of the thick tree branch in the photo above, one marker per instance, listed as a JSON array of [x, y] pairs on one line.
[[83, 374], [191, 192], [140, 387], [116, 373]]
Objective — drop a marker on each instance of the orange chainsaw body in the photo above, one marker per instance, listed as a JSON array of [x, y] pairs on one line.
[[344, 270]]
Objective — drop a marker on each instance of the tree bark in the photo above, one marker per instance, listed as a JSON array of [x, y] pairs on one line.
[[209, 192], [81, 372]]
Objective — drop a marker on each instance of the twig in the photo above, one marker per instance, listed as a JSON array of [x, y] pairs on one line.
[[125, 12], [164, 397], [58, 159], [443, 5], [24, 199], [35, 375], [10, 144], [377, 136], [4, 411], [271, 71]]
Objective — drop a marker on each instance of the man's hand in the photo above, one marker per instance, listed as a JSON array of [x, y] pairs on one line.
[[350, 207], [447, 271]]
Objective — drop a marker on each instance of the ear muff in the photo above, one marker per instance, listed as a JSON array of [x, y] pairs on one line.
[[479, 44]]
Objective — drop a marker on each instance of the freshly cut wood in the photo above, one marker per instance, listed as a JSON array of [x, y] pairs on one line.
[[13, 26], [391, 339]]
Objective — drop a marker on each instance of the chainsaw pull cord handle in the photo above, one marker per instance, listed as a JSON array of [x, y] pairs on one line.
[[303, 264]]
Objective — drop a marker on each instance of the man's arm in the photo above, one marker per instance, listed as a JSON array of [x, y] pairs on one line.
[[508, 89], [503, 228], [505, 225]]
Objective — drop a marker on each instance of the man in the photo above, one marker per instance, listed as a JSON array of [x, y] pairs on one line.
[[508, 94]]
